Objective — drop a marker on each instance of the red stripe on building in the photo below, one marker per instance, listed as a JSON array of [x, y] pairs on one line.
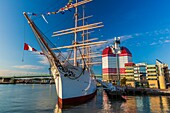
[[129, 64], [125, 54], [113, 70]]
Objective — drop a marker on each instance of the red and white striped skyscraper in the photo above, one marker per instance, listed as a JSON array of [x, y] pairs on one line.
[[113, 61]]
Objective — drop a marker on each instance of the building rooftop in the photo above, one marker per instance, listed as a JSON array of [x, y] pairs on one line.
[[124, 51]]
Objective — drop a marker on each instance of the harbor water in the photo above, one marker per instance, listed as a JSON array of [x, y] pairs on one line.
[[38, 98]]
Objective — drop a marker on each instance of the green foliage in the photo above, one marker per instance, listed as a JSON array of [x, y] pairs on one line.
[[123, 81]]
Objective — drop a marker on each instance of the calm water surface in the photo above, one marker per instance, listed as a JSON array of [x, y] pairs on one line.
[[42, 99]]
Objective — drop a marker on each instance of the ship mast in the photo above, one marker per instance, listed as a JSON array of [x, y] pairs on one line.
[[85, 43], [75, 36], [83, 52]]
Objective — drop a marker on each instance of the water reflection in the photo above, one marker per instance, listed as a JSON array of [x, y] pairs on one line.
[[99, 104], [159, 104], [110, 105], [57, 109], [43, 98], [134, 104], [152, 104]]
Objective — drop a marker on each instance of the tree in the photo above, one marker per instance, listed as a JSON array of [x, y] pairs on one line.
[[123, 81]]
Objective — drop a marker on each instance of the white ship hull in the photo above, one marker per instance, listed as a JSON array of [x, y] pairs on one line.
[[73, 83], [74, 90]]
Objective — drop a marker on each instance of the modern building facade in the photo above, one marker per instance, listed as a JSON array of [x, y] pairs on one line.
[[129, 72], [117, 64], [140, 72], [136, 74], [152, 76], [113, 61], [163, 74], [144, 75]]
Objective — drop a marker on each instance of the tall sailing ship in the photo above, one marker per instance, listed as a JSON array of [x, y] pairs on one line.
[[74, 78]]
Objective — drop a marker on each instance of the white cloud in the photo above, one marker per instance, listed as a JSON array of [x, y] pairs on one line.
[[110, 42], [158, 35], [32, 67], [153, 43], [167, 41], [151, 38], [43, 60], [18, 73], [126, 37], [138, 34], [160, 42]]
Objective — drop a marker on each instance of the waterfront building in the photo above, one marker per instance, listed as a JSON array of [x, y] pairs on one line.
[[129, 70], [140, 74], [136, 74], [117, 64], [113, 62], [152, 76], [163, 74], [146, 75]]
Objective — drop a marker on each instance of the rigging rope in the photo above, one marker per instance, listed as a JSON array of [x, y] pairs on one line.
[[84, 68], [24, 40], [65, 69]]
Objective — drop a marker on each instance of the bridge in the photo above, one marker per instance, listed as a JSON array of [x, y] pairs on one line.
[[28, 76], [36, 78]]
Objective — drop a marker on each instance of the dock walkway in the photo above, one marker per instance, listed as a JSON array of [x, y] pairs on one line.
[[131, 91]]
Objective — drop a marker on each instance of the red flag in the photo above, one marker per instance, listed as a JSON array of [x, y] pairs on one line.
[[29, 48]]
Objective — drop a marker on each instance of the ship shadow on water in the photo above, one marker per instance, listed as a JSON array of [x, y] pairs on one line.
[[74, 106], [114, 96], [66, 108], [100, 103], [70, 106]]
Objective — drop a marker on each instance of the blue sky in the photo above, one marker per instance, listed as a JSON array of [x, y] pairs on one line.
[[143, 25]]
